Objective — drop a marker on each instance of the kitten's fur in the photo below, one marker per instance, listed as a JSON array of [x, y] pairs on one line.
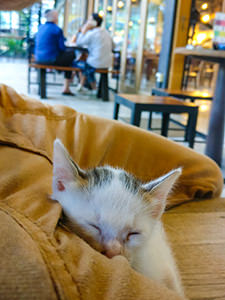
[[117, 214]]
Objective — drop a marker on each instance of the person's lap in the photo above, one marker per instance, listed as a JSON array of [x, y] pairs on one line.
[[87, 70], [64, 59]]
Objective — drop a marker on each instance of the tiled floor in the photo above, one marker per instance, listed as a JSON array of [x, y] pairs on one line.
[[14, 73]]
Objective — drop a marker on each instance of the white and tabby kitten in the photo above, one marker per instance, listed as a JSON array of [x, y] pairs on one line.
[[117, 214]]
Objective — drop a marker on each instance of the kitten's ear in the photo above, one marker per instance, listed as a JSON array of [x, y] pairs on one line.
[[156, 191], [64, 168]]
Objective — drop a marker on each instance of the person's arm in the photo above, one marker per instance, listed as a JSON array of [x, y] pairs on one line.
[[75, 37], [83, 39], [113, 44], [85, 35]]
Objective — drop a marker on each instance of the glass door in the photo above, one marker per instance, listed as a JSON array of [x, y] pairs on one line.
[[142, 48], [108, 17], [60, 8], [71, 16], [136, 27], [152, 43], [132, 46], [129, 39], [100, 7], [76, 16], [119, 27]]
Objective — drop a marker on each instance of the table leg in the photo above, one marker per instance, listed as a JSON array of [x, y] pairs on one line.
[[150, 121], [165, 124], [135, 116], [215, 138], [187, 129], [116, 111], [192, 127]]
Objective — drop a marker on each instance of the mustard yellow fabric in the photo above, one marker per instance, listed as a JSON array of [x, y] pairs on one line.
[[39, 258], [92, 141]]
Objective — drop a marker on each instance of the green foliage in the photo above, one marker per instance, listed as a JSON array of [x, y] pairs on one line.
[[12, 47], [9, 46]]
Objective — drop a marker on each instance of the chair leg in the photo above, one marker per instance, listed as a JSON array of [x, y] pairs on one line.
[[104, 87], [186, 82], [42, 83]]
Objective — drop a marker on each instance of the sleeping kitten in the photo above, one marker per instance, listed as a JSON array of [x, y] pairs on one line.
[[117, 214]]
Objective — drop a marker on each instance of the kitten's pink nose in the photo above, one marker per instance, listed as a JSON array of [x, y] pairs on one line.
[[112, 249]]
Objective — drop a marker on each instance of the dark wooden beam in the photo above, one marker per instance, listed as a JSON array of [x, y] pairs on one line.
[[167, 40]]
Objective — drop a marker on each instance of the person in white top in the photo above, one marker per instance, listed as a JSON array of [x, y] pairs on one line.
[[99, 44]]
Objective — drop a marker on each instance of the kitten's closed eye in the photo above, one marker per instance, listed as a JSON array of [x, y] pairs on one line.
[[132, 234], [95, 227]]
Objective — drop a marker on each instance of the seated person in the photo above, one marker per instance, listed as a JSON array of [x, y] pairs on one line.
[[50, 48], [99, 44]]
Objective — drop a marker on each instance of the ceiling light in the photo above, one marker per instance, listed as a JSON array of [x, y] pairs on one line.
[[204, 6], [201, 37], [130, 23], [101, 13], [152, 20], [205, 18], [204, 107], [120, 4]]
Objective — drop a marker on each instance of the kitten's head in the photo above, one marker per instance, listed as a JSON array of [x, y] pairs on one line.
[[110, 209]]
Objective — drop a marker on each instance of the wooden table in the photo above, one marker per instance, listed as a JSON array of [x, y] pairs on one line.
[[164, 105], [192, 95], [215, 138]]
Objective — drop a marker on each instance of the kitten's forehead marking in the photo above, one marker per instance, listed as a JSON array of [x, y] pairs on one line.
[[129, 182], [100, 176], [104, 175]]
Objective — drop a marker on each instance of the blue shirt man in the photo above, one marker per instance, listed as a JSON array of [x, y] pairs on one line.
[[50, 48], [49, 42]]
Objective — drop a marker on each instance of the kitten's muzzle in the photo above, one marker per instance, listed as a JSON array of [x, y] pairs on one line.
[[112, 248]]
